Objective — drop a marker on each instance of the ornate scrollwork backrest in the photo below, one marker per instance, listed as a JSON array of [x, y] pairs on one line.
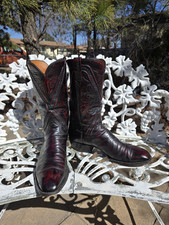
[[135, 104]]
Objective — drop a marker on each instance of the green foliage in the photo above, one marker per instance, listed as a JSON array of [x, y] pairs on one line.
[[11, 10], [132, 22], [30, 17], [5, 39], [94, 12]]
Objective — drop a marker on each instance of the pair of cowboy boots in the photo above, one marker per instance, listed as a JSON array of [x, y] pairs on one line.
[[85, 125]]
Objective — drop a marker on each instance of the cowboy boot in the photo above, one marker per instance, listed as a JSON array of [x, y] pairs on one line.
[[49, 82], [86, 130]]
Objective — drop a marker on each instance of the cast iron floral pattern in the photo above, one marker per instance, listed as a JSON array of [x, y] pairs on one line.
[[126, 108]]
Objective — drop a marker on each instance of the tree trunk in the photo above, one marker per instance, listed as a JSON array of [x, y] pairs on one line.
[[94, 39], [74, 39], [107, 52], [89, 42], [108, 41], [30, 34]]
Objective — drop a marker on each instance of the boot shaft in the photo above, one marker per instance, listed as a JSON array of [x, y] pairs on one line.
[[86, 83], [51, 92]]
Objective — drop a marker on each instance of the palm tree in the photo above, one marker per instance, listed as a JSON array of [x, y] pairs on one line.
[[96, 15]]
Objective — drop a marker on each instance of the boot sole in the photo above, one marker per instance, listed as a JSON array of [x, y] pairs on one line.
[[88, 148], [81, 147]]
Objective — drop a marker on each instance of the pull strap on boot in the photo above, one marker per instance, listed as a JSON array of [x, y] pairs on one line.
[[49, 82], [86, 130]]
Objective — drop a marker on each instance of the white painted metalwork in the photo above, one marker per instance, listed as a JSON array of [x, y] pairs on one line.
[[124, 111]]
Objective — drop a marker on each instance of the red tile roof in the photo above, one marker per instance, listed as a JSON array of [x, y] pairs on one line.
[[42, 43]]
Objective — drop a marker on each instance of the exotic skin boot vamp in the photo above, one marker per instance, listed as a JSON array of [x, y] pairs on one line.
[[86, 130], [51, 170]]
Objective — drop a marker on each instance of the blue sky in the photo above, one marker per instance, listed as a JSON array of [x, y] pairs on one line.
[[13, 34]]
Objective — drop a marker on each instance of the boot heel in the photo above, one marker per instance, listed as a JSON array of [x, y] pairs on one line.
[[81, 147]]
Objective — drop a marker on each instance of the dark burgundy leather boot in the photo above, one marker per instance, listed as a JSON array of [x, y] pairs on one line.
[[86, 130], [49, 82]]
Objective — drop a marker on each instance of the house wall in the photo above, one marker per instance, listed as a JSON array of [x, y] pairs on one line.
[[49, 51], [52, 52]]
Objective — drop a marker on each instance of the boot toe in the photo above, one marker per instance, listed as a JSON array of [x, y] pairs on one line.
[[49, 180], [141, 155], [49, 186]]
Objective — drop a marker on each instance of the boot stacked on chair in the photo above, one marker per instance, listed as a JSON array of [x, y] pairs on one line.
[[49, 82], [85, 130]]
